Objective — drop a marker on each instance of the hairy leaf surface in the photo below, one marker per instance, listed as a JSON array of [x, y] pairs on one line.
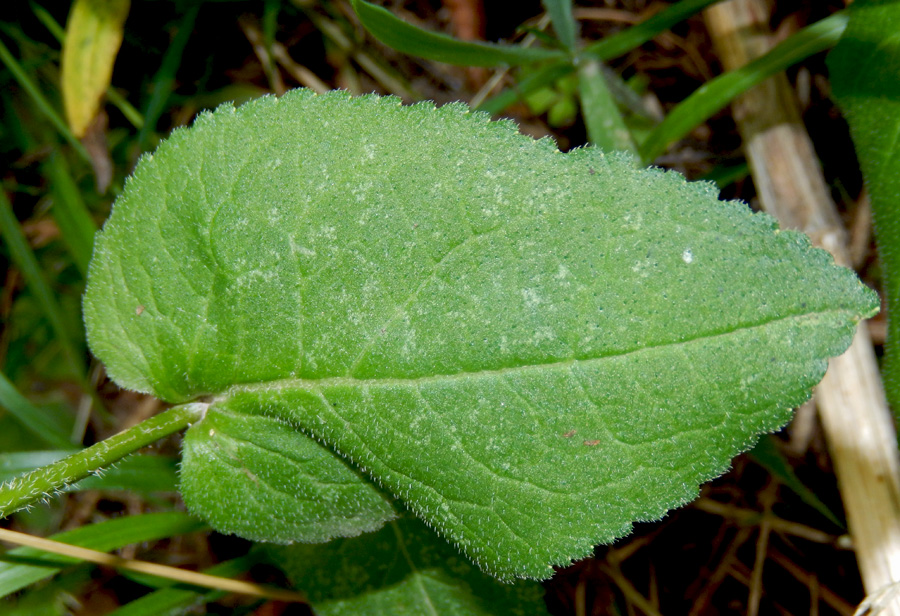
[[531, 349], [291, 488]]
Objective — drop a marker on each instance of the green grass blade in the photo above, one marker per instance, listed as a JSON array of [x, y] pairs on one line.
[[626, 40], [540, 78], [717, 93], [605, 127], [121, 103], [51, 24], [606, 49], [76, 226], [726, 175], [34, 418], [24, 258], [563, 21], [164, 80], [406, 38], [25, 566], [169, 600], [40, 101], [767, 455]]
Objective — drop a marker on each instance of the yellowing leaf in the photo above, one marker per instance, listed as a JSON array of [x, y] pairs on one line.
[[93, 37]]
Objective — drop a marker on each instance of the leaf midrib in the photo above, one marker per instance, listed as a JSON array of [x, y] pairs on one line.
[[319, 384]]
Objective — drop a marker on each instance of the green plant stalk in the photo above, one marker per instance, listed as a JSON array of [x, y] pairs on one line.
[[121, 103], [605, 127], [47, 480], [24, 258], [42, 103], [717, 93]]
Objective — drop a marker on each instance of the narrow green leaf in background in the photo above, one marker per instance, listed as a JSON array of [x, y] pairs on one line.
[[409, 39], [76, 227], [767, 455], [617, 44], [164, 79], [605, 126], [38, 421], [93, 35], [531, 349], [540, 78], [719, 92], [865, 77], [25, 566], [171, 599], [403, 570], [23, 257], [40, 101], [563, 21]]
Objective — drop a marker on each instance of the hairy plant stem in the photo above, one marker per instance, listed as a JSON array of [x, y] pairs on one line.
[[48, 480]]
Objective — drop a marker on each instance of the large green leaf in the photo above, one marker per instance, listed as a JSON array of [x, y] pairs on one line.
[[531, 349], [402, 570], [865, 73]]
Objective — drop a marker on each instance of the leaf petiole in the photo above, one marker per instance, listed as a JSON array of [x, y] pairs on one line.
[[45, 481]]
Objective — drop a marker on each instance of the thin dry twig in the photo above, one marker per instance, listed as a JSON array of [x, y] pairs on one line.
[[809, 580], [767, 498], [721, 572], [749, 517], [632, 595], [279, 53], [253, 34]]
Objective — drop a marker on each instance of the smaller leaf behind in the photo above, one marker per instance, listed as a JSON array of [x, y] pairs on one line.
[[404, 569], [259, 478]]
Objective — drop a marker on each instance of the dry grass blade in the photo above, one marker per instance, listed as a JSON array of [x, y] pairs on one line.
[[850, 399], [171, 573]]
